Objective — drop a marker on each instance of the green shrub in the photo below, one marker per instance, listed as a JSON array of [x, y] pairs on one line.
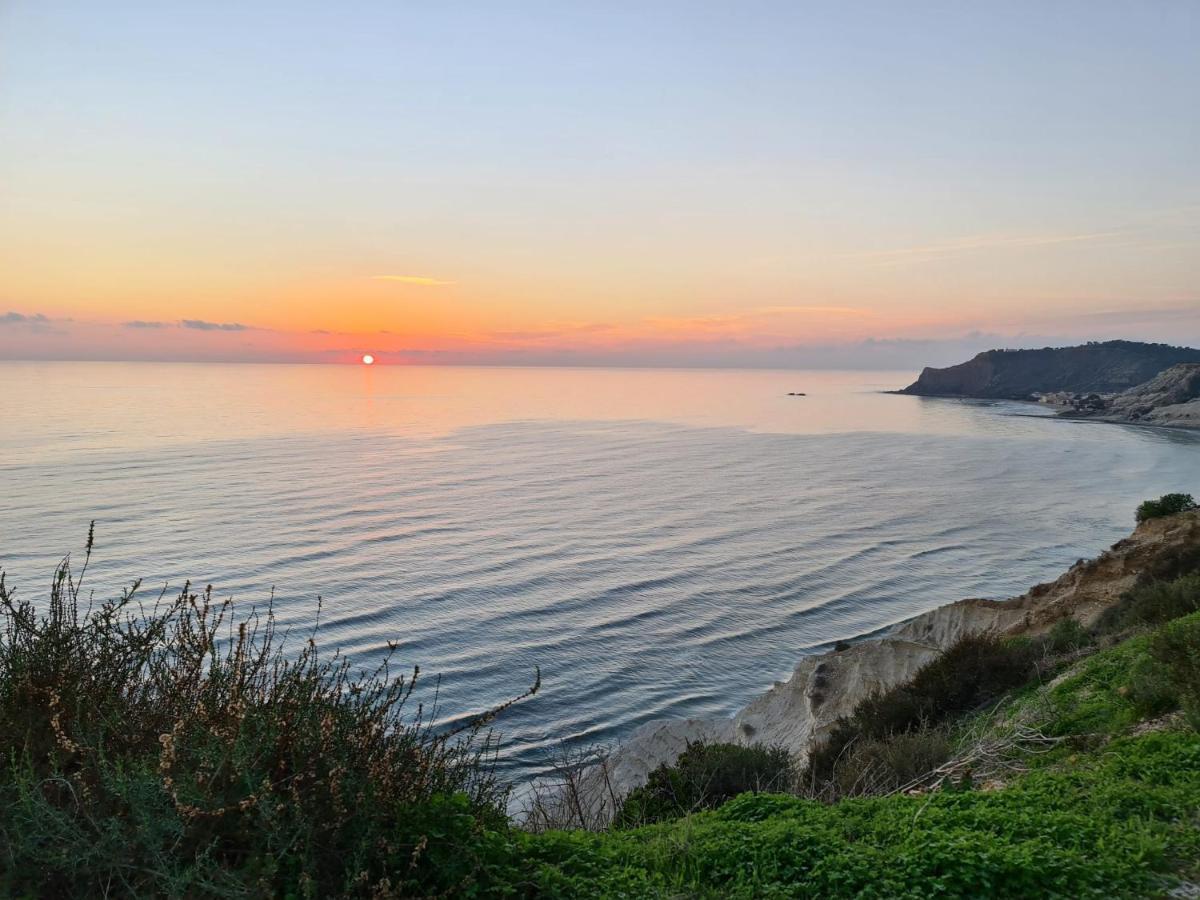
[[1153, 603], [1150, 689], [870, 766], [1166, 505], [1176, 647], [1066, 636], [704, 777], [173, 750], [976, 669]]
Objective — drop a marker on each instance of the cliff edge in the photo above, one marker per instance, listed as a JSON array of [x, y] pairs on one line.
[[799, 713]]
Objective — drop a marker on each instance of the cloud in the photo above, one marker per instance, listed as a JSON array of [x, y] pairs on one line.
[[420, 280], [525, 335], [37, 323], [566, 329], [750, 321], [138, 323], [201, 325], [953, 248], [1190, 313], [16, 318], [820, 310]]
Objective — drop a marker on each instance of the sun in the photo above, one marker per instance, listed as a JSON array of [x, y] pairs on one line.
[[368, 359]]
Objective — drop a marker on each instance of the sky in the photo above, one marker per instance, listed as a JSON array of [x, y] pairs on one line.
[[650, 183]]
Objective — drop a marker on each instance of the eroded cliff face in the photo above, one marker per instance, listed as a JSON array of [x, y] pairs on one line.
[[800, 712], [973, 378]]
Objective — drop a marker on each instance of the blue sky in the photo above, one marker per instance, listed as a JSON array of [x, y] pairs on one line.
[[641, 176]]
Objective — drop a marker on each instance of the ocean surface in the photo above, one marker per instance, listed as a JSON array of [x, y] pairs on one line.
[[662, 543]]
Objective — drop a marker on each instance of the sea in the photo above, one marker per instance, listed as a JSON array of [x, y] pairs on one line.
[[658, 543]]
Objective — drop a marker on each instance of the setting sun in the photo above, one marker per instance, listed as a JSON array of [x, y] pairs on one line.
[[796, 351]]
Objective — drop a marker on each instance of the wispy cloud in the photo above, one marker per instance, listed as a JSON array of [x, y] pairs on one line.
[[525, 335], [16, 318], [201, 325], [419, 280], [815, 310], [1190, 313], [961, 246], [549, 332], [139, 323], [37, 323], [762, 320]]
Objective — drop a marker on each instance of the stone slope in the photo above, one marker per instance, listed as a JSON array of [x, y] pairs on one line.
[[1170, 398]]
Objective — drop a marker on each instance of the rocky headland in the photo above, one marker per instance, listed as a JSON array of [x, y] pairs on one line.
[[1114, 381], [1102, 368]]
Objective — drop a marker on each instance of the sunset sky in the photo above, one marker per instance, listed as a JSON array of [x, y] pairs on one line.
[[691, 183]]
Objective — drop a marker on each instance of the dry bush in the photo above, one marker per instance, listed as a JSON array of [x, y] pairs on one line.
[[177, 748]]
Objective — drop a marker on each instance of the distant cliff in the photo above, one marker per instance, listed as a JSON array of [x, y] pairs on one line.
[[1101, 368]]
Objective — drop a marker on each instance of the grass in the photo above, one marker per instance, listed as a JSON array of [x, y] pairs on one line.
[[1093, 808], [1103, 812], [1108, 826]]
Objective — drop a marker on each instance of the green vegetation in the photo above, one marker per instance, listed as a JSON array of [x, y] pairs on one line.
[[1089, 808], [893, 737], [1166, 505], [704, 777], [1176, 648], [1107, 825], [174, 750], [1154, 603], [1067, 636]]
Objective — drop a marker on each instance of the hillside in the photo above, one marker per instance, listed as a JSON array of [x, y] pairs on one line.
[[1086, 786], [802, 711], [1101, 368], [1170, 398], [1057, 757]]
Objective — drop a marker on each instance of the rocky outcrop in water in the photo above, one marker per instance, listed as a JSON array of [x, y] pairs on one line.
[[1099, 368], [1171, 398], [800, 712]]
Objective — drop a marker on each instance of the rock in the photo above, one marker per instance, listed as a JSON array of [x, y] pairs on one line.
[[1170, 398]]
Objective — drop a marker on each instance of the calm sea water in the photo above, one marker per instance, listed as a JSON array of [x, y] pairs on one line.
[[660, 543]]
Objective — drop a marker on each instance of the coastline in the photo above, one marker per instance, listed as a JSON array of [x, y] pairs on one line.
[[1123, 382], [798, 713], [1062, 413]]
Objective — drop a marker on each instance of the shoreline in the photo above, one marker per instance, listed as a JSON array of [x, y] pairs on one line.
[[1056, 413], [800, 711]]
